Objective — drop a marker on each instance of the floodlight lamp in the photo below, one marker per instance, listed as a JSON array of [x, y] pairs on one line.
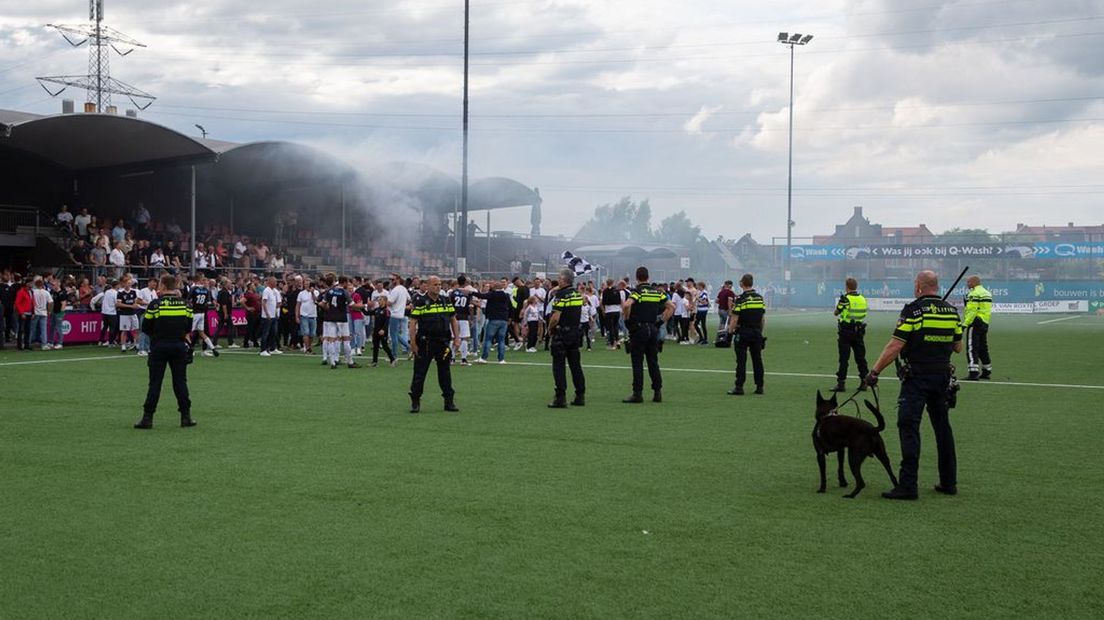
[[795, 37], [806, 39], [783, 37]]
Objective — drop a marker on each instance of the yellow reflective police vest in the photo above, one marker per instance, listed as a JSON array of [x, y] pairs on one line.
[[852, 307], [979, 304]]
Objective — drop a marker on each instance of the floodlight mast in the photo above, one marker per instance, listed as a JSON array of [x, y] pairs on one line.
[[791, 40], [98, 81]]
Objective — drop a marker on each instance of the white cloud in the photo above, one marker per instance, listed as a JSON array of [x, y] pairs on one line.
[[694, 125]]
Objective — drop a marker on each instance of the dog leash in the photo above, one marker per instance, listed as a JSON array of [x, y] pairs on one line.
[[851, 399]]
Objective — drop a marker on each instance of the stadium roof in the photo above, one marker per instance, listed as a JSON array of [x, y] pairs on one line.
[[80, 142], [629, 250]]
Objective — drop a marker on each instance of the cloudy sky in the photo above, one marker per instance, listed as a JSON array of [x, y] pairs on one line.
[[970, 113]]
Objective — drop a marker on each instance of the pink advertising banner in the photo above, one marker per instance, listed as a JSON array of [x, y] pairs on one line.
[[84, 327]]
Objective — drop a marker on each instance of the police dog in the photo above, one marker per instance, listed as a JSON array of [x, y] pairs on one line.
[[835, 433]]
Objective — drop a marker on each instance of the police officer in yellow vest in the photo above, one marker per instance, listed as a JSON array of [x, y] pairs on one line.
[[851, 310], [433, 325], [979, 312], [168, 323], [928, 332]]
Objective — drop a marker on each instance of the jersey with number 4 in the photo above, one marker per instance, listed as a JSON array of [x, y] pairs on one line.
[[337, 306]]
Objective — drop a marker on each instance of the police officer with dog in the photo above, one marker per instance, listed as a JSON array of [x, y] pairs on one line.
[[563, 325], [928, 332], [645, 310], [851, 310], [433, 326], [168, 323]]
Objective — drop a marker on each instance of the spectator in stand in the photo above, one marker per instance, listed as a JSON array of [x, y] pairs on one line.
[[128, 243], [117, 259], [239, 252], [199, 258], [79, 253], [724, 303], [24, 311], [65, 219], [156, 262], [97, 258], [270, 302], [172, 258], [251, 299], [260, 256], [81, 223], [43, 304], [119, 232], [142, 219], [276, 263], [173, 229]]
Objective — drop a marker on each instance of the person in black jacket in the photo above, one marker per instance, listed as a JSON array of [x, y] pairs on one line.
[[500, 307], [168, 323]]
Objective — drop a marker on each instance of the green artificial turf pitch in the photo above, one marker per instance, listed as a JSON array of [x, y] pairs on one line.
[[310, 492]]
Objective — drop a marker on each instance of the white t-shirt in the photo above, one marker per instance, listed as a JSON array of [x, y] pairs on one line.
[[42, 299], [239, 249], [584, 315], [680, 306], [200, 259], [65, 217], [147, 294], [270, 299], [116, 258], [532, 313], [82, 222], [308, 304], [397, 298], [108, 302]]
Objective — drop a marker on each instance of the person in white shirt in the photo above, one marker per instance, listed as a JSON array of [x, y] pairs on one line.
[[586, 316], [270, 302], [43, 305], [157, 262], [117, 260], [145, 296], [306, 315], [65, 218], [109, 315], [397, 298], [531, 315], [81, 222], [199, 258]]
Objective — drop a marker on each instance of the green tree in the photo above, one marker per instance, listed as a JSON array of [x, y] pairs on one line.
[[967, 235], [624, 221]]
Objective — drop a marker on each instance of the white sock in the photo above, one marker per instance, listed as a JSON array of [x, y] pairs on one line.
[[327, 351], [210, 344], [464, 349]]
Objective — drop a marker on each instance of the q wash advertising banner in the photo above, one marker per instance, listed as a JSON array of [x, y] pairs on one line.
[[982, 251], [892, 294]]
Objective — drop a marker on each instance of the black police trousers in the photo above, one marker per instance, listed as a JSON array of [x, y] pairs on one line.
[[977, 345], [430, 350], [749, 341], [644, 346], [918, 391], [171, 353], [565, 353], [851, 340]]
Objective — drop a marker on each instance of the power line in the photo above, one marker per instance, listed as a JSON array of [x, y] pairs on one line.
[[686, 114], [560, 130], [448, 59]]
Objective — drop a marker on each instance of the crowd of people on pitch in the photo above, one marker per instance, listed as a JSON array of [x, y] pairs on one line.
[[277, 314]]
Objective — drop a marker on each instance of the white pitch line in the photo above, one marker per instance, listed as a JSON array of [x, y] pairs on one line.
[[121, 356], [807, 375], [1064, 318]]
